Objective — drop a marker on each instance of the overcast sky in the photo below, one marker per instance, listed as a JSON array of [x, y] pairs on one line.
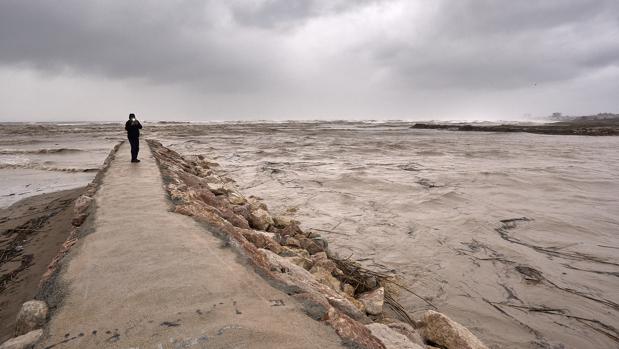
[[314, 59]]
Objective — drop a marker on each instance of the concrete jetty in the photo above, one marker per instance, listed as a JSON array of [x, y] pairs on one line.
[[145, 277]]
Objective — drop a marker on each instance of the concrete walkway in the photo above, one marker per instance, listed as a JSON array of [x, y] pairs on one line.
[[149, 278]]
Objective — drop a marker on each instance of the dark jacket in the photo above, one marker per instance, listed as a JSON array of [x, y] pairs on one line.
[[133, 128]]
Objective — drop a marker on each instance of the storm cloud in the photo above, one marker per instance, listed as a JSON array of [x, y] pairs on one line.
[[288, 59]]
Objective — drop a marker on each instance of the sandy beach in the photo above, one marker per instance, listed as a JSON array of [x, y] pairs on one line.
[[33, 230]]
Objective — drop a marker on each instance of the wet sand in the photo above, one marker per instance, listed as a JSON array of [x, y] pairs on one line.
[[32, 232]]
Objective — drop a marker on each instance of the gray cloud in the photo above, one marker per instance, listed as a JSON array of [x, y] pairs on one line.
[[323, 55], [493, 44]]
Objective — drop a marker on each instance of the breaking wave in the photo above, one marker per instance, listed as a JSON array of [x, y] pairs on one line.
[[34, 166], [39, 151]]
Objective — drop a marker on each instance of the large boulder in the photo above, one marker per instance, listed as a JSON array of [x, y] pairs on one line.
[[291, 229], [81, 204], [303, 262], [373, 301], [440, 329], [217, 186], [243, 210], [292, 279], [312, 246], [391, 338], [407, 330], [324, 277], [281, 221], [236, 198], [320, 259], [80, 210], [290, 242], [260, 219], [314, 305], [353, 333], [31, 316], [26, 341], [256, 203], [292, 252]]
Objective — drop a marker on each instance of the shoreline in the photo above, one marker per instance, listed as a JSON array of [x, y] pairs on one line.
[[33, 230], [587, 128]]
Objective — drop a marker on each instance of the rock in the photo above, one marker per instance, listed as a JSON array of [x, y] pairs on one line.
[[242, 210], [371, 282], [324, 277], [217, 187], [292, 279], [80, 210], [236, 199], [292, 229], [235, 219], [291, 252], [408, 331], [310, 245], [260, 219], [31, 316], [319, 256], [81, 204], [333, 254], [440, 329], [256, 204], [353, 333], [314, 305], [274, 247], [313, 235], [191, 180], [281, 221], [349, 306], [26, 341], [348, 289], [356, 303], [291, 242], [304, 263], [261, 239], [208, 197], [391, 338], [373, 301], [322, 242], [324, 262]]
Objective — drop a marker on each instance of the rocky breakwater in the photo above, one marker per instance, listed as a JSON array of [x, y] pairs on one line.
[[34, 314], [358, 303]]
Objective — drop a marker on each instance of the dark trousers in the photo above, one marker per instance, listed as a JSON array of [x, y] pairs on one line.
[[135, 147]]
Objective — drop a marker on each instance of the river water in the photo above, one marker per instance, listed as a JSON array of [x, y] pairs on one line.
[[516, 236]]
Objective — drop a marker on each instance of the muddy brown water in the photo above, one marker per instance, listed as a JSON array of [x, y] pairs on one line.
[[513, 235]]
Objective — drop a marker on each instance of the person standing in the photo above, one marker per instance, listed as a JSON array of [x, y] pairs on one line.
[[133, 127]]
